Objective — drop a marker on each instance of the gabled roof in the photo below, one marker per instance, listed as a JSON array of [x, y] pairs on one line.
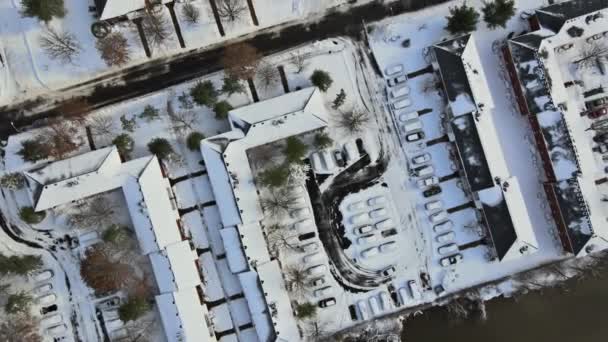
[[471, 153], [554, 16], [108, 9]]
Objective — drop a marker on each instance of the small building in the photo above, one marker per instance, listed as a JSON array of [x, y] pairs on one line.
[[114, 9]]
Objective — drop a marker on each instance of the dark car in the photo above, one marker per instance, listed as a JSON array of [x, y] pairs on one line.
[[597, 113], [432, 191], [327, 302], [339, 157], [599, 102]]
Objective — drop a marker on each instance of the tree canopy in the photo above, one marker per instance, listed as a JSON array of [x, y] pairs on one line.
[[204, 93], [295, 149], [462, 19], [45, 10], [496, 13], [160, 147], [321, 79]]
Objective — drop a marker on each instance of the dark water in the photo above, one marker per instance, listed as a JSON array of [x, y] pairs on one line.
[[579, 314]]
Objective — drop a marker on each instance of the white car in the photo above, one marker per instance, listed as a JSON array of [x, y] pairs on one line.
[[306, 223], [359, 218], [385, 300], [309, 258], [310, 247], [426, 182], [375, 201], [378, 213], [316, 270], [438, 216], [451, 260], [363, 309], [43, 275], [388, 223], [443, 227], [322, 292], [433, 205], [356, 206], [445, 237], [369, 238], [421, 159], [414, 289], [404, 296], [370, 252], [388, 247], [393, 70], [364, 229], [408, 116], [300, 213], [317, 282], [374, 305], [414, 136], [412, 126], [400, 103], [57, 330], [425, 171], [396, 80], [42, 289], [448, 249], [46, 299], [51, 320], [402, 90]]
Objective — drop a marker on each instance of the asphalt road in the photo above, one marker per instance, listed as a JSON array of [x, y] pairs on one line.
[[159, 74]]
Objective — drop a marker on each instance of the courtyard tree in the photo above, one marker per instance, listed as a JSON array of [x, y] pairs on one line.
[[275, 176], [496, 13], [231, 10], [241, 61], [59, 138], [33, 150], [278, 238], [317, 330], [185, 101], [101, 126], [12, 181], [589, 55], [98, 211], [103, 274], [19, 328], [28, 215], [116, 234], [44, 10], [462, 19], [194, 140], [306, 310], [181, 120], [191, 13], [277, 202], [124, 144], [221, 109], [60, 45], [160, 147], [19, 265], [339, 100], [75, 109], [114, 49], [296, 278], [321, 79], [150, 113], [18, 303], [267, 74], [204, 93], [295, 150], [232, 86], [156, 27], [353, 121], [323, 140], [298, 61], [134, 308]]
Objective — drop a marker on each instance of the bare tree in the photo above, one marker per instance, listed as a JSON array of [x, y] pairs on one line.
[[183, 120], [589, 55], [191, 13], [98, 211], [114, 49], [19, 328], [103, 274], [143, 329], [317, 330], [155, 27], [267, 74], [263, 155], [231, 10], [59, 138], [353, 121], [296, 278], [241, 61], [278, 238], [277, 202], [62, 46], [299, 61], [102, 126], [75, 109]]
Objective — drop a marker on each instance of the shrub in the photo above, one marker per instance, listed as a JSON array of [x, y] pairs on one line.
[[133, 309], [339, 100], [45, 10], [321, 80], [28, 215], [275, 176], [124, 144], [204, 93], [194, 140], [33, 150], [232, 86], [116, 234], [322, 140], [185, 101], [12, 181], [498, 12], [306, 310], [150, 113], [462, 19], [221, 109], [22, 266], [295, 149], [18, 303], [160, 147]]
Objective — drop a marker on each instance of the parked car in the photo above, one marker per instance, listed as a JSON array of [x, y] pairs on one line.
[[439, 290], [445, 237], [426, 182], [364, 229], [432, 191], [393, 81], [388, 232], [376, 200], [424, 171], [42, 289], [598, 102], [309, 258], [316, 270], [597, 113], [399, 91], [339, 157], [400, 103], [451, 260], [57, 330], [300, 213], [327, 302], [405, 117], [363, 309], [384, 224], [306, 236], [389, 271], [414, 136], [370, 252], [322, 292], [378, 213], [412, 126], [388, 247], [357, 206], [374, 305], [359, 218], [433, 205], [448, 249], [46, 299], [317, 281], [310, 247], [393, 70], [369, 238], [403, 295], [421, 159], [43, 275], [414, 289], [51, 320], [438, 216], [385, 300], [301, 225]]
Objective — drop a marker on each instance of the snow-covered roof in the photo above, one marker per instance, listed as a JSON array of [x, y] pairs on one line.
[[116, 8], [254, 243], [554, 16], [257, 305], [175, 268], [184, 316], [234, 251]]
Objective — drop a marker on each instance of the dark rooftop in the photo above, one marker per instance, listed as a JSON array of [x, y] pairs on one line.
[[451, 67], [531, 75], [498, 220], [554, 16], [559, 144], [471, 153], [574, 212], [99, 6]]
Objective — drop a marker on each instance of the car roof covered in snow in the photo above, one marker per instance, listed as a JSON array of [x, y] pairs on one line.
[[108, 9]]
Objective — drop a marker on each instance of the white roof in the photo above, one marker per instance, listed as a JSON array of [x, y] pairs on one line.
[[257, 305], [117, 8], [234, 251], [254, 242], [175, 268], [183, 316]]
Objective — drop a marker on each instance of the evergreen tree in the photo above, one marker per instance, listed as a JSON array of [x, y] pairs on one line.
[[185, 101], [128, 124], [18, 303], [232, 85], [124, 143], [45, 10], [12, 181], [133, 309], [116, 234], [194, 140], [150, 113], [462, 19], [221, 109], [339, 100], [321, 80], [160, 147], [496, 13], [22, 266], [33, 150], [28, 215], [295, 150], [204, 93], [274, 177], [322, 140], [306, 310]]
